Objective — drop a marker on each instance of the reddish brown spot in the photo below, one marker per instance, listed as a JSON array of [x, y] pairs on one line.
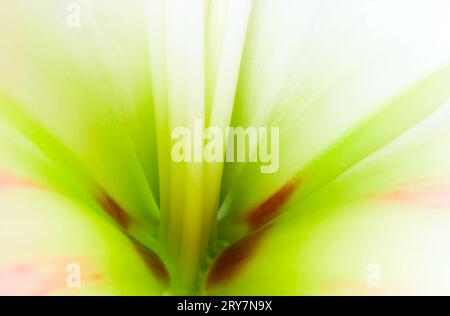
[[233, 259], [272, 206], [114, 210], [152, 261]]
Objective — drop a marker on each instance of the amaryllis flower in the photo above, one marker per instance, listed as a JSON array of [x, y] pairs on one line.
[[92, 201]]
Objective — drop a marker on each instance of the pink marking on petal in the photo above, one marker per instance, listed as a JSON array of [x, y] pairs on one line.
[[392, 289], [420, 193], [8, 180], [43, 277], [349, 288], [362, 289]]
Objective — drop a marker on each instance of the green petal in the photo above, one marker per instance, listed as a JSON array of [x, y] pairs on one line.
[[82, 101], [341, 99], [334, 252], [380, 228], [47, 240]]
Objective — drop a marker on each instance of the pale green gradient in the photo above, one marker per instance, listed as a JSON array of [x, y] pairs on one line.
[[358, 88]]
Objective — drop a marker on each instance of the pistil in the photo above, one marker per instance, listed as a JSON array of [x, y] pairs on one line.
[[189, 87]]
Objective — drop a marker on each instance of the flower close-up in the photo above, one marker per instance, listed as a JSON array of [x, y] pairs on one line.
[[224, 147]]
